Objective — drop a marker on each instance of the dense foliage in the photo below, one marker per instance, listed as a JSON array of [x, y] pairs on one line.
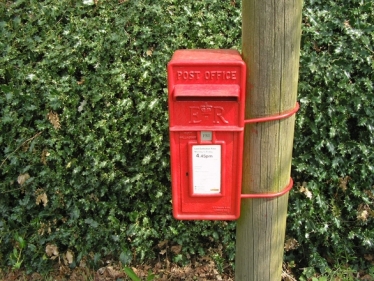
[[334, 144], [84, 143], [84, 163]]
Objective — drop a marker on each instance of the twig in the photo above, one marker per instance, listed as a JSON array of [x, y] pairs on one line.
[[11, 190], [286, 276], [26, 141]]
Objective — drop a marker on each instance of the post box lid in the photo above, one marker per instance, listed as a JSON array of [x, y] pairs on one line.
[[207, 55]]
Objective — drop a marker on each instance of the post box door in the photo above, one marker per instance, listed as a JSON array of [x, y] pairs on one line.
[[206, 112]]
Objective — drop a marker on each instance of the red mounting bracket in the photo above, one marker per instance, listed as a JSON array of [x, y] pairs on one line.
[[280, 116], [269, 195]]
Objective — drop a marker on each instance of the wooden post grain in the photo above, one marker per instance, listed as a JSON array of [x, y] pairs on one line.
[[271, 32]]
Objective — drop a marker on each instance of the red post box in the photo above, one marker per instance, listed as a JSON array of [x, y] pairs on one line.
[[206, 121]]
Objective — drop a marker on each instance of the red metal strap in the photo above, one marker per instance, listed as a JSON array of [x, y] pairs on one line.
[[269, 195], [282, 115]]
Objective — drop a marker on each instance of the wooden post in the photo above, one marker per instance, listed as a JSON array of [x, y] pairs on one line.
[[271, 32]]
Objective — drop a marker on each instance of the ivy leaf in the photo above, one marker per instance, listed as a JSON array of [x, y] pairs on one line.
[[125, 257], [91, 222], [88, 2]]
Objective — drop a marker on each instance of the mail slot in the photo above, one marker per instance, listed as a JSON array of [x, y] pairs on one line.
[[206, 98]]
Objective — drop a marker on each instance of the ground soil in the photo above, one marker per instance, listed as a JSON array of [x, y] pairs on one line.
[[199, 270]]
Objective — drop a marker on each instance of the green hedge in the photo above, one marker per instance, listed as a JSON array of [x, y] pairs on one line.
[[84, 145], [334, 142]]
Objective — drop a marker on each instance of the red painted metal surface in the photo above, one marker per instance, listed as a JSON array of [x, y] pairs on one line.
[[206, 122], [269, 195], [280, 116], [206, 99]]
